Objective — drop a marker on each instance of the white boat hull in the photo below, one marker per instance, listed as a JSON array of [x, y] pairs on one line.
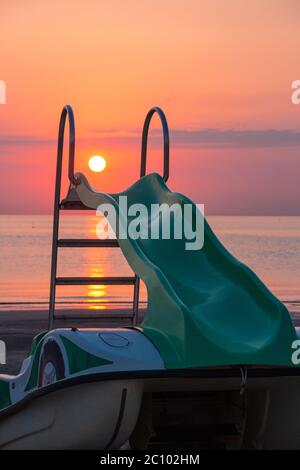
[[90, 416]]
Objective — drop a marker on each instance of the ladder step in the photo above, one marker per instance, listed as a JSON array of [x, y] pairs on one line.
[[99, 316], [108, 281], [86, 243], [73, 206]]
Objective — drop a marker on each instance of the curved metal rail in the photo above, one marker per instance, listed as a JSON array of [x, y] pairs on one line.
[[166, 138], [66, 112]]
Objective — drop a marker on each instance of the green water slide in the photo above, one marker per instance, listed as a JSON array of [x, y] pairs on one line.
[[205, 308]]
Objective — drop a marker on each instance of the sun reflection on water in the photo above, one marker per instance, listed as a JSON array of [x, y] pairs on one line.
[[96, 293]]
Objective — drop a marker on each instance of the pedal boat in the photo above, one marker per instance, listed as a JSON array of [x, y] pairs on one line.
[[212, 364]]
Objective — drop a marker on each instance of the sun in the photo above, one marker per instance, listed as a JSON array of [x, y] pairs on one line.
[[97, 163]]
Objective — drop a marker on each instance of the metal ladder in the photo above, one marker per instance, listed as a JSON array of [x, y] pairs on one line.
[[72, 202]]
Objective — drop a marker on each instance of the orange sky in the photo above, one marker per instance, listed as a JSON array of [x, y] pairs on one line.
[[210, 64]]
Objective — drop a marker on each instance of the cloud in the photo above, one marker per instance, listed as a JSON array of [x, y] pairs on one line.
[[194, 138], [211, 137], [19, 141], [233, 138]]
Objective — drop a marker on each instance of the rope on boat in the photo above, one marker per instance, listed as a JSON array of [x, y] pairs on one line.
[[244, 376]]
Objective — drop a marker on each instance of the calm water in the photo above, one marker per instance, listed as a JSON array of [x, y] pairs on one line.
[[269, 245]]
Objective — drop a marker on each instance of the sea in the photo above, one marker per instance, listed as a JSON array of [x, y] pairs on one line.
[[268, 245]]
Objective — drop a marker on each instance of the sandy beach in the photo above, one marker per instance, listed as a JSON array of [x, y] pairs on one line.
[[18, 327]]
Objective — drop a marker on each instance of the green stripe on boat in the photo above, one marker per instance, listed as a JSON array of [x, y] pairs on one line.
[[33, 379], [35, 342], [4, 394], [79, 359]]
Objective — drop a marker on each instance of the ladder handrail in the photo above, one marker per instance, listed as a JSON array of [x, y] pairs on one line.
[[166, 138], [67, 112]]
